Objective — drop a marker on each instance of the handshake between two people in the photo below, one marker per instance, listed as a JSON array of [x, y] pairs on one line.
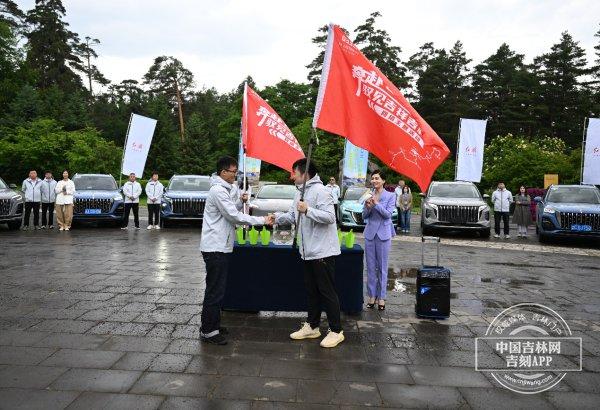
[[269, 219], [302, 207]]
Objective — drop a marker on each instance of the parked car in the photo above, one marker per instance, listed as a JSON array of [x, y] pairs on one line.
[[11, 205], [568, 210], [97, 199], [454, 205], [350, 210], [184, 199], [272, 198]]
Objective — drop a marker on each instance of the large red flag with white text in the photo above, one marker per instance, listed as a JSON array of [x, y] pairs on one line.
[[358, 102], [264, 134]]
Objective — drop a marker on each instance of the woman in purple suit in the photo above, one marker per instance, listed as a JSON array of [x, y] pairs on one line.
[[377, 212]]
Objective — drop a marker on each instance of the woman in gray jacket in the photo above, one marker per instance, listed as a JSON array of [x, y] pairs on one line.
[[522, 214]]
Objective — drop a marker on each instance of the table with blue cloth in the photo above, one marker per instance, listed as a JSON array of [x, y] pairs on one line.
[[271, 278]]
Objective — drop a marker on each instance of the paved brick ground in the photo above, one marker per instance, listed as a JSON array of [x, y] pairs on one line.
[[101, 318]]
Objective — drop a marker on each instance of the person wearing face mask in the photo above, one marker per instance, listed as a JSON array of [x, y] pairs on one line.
[[222, 212], [377, 212], [318, 246], [65, 189], [48, 199], [522, 216]]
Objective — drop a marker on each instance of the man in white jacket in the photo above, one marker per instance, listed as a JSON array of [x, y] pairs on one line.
[[221, 214], [48, 199], [32, 188], [501, 198], [154, 192], [132, 191], [318, 248]]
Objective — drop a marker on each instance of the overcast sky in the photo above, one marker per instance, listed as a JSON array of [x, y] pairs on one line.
[[223, 41]]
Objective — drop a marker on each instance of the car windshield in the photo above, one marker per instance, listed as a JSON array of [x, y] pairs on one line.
[[353, 194], [578, 195], [94, 182], [189, 184], [453, 191], [277, 192], [2, 184]]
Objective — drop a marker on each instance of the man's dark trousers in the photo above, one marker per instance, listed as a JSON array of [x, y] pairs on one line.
[[36, 213], [48, 207], [504, 216], [153, 212], [217, 264], [136, 211], [320, 287]]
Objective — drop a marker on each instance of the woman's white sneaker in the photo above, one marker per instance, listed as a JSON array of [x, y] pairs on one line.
[[332, 339], [306, 332]]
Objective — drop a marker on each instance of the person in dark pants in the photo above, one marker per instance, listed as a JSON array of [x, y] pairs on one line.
[[48, 199], [32, 188], [222, 212], [318, 248], [501, 198], [154, 192], [132, 191]]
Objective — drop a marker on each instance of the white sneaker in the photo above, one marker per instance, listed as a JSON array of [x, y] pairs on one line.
[[496, 236], [124, 228], [67, 228], [306, 332], [61, 229], [506, 236], [332, 339], [156, 226], [149, 227]]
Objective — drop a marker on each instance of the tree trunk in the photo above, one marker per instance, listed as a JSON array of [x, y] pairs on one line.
[[180, 109]]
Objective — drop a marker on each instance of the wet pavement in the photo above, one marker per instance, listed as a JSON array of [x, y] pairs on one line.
[[104, 318]]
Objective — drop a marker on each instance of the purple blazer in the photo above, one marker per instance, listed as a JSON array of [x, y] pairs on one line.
[[379, 218]]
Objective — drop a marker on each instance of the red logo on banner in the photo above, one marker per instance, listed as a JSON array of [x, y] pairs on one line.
[[264, 134], [358, 102]]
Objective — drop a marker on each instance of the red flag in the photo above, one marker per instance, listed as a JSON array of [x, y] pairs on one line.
[[264, 134], [359, 103]]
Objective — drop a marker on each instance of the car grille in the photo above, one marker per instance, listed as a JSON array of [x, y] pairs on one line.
[[358, 218], [188, 206], [81, 204], [458, 214], [567, 219], [4, 206]]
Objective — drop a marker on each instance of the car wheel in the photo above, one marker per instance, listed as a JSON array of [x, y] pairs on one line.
[[543, 238], [427, 231], [485, 233], [14, 225]]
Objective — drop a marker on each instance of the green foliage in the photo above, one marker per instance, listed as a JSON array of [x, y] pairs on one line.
[[44, 145]]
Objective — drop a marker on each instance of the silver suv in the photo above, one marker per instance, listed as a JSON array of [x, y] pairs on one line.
[[455, 206], [11, 205]]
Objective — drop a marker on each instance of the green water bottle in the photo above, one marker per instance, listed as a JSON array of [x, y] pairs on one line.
[[265, 236], [253, 236], [240, 235], [350, 239]]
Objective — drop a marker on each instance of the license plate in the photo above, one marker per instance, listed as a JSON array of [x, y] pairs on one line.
[[581, 228], [92, 211]]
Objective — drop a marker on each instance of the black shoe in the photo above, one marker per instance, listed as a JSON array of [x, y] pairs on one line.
[[370, 305], [223, 331], [217, 339]]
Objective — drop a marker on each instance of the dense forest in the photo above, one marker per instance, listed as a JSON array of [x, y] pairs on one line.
[[57, 110]]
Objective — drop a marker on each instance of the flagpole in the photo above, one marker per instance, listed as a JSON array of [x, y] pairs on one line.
[[457, 150], [583, 141], [314, 139], [124, 148]]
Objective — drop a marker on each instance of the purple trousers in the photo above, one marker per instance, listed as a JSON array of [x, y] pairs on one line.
[[376, 253]]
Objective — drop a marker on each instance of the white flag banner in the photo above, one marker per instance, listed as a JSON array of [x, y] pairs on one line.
[[591, 156], [470, 150], [137, 144]]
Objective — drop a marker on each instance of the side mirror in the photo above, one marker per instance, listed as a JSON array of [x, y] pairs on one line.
[[13, 186], [538, 199], [422, 194], [486, 196]]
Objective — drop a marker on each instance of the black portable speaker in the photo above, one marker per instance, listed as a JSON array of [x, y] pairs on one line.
[[433, 286]]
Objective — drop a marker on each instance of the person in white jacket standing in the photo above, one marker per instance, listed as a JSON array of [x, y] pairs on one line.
[[48, 199], [501, 198], [65, 189], [222, 212], [154, 192], [132, 191], [33, 197]]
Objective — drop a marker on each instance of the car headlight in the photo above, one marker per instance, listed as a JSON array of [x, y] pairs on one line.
[[431, 210], [549, 210], [17, 197]]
